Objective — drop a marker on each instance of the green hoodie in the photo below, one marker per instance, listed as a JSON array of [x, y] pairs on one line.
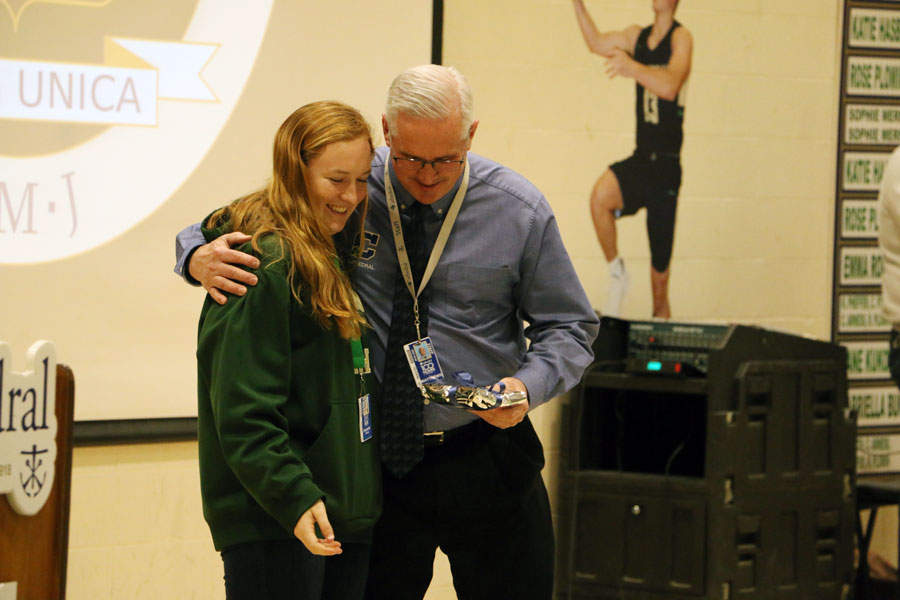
[[278, 419]]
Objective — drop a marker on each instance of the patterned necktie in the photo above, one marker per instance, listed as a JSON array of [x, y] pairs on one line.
[[402, 414]]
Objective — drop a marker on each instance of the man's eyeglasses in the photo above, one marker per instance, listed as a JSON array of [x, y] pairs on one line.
[[442, 165]]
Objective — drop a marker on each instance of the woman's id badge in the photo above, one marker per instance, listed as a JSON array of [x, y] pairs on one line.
[[423, 362], [365, 419]]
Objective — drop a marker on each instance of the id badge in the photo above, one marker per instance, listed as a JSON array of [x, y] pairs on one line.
[[365, 419], [423, 362]]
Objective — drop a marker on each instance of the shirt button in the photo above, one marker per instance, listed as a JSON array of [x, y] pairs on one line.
[[440, 211]]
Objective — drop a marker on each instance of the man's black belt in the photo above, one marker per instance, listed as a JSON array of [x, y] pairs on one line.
[[434, 439]]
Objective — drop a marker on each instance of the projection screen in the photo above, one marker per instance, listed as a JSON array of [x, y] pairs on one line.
[[122, 121]]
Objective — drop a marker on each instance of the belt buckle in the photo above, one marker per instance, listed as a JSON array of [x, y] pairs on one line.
[[437, 435]]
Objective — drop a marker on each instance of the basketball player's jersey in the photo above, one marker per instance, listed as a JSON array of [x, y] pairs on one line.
[[659, 122]]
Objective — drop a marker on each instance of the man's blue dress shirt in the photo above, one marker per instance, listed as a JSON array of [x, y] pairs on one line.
[[505, 299]]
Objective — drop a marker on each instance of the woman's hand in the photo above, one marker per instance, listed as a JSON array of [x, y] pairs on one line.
[[305, 530]]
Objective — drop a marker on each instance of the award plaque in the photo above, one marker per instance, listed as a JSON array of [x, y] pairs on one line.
[[471, 397]]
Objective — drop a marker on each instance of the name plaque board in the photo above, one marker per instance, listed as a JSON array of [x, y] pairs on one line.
[[867, 360], [867, 134], [861, 265], [878, 453], [862, 171], [872, 124]]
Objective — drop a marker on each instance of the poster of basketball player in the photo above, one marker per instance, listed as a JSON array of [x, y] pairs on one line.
[[658, 58]]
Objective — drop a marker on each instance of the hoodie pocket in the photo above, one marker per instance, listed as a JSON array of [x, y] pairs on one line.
[[345, 468]]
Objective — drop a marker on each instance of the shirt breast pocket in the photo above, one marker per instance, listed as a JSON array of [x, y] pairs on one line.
[[475, 295]]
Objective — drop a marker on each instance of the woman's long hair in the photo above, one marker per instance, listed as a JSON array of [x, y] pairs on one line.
[[283, 208]]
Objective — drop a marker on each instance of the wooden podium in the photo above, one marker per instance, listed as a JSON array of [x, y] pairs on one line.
[[34, 549]]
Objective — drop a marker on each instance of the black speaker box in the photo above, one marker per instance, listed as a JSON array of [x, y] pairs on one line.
[[733, 479]]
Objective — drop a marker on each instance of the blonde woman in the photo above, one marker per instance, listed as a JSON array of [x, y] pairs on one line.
[[290, 475]]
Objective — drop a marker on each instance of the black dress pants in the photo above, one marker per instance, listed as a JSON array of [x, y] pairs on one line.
[[286, 570], [481, 500]]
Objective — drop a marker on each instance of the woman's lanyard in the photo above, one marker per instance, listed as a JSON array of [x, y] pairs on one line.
[[360, 362], [363, 405], [360, 355], [402, 256], [361, 367]]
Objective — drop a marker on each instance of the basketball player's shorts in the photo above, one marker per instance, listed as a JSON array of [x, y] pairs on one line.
[[652, 181]]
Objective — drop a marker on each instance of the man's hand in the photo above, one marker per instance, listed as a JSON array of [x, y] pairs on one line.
[[305, 531], [618, 62], [506, 416], [213, 265]]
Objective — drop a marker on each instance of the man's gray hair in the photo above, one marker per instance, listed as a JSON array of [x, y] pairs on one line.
[[430, 92]]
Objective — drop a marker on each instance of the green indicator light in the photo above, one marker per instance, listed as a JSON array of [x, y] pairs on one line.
[[654, 365]]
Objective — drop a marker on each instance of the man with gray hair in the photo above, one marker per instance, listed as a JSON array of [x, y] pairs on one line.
[[463, 260]]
